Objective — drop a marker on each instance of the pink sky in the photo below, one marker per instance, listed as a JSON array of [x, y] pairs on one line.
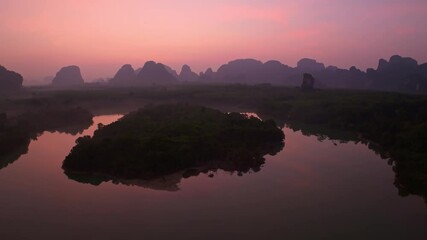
[[38, 37]]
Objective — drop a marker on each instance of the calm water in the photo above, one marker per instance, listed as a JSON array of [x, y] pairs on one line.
[[310, 190]]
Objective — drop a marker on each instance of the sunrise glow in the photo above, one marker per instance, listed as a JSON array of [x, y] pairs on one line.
[[38, 37]]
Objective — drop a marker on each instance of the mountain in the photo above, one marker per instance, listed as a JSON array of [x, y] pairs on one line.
[[154, 73], [398, 74], [207, 76], [125, 76], [187, 75], [68, 76], [252, 71], [241, 71], [334, 77], [137, 71], [171, 71], [275, 72], [10, 80], [307, 65]]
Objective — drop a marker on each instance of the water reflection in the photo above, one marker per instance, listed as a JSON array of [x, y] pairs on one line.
[[248, 162], [403, 180], [9, 156], [309, 190], [16, 132], [409, 175]]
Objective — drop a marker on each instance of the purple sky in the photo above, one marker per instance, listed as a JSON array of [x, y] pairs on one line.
[[38, 37]]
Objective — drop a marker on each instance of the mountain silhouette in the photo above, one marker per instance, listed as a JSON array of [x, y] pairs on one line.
[[10, 80], [171, 71], [397, 74], [334, 77], [68, 76], [187, 75], [154, 73], [309, 65], [137, 71], [207, 76], [276, 72], [241, 70], [125, 76], [401, 74]]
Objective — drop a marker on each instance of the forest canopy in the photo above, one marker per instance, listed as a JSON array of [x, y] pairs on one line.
[[160, 140]]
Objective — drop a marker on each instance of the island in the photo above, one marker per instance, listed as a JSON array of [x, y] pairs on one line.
[[161, 140]]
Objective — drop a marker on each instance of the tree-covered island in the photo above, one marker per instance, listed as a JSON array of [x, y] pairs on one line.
[[158, 140]]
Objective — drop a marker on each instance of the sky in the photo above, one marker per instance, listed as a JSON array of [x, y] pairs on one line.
[[38, 37]]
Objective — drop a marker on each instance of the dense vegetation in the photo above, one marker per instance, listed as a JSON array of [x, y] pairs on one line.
[[392, 124], [159, 140]]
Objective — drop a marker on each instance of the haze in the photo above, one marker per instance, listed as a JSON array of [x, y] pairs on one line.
[[39, 37]]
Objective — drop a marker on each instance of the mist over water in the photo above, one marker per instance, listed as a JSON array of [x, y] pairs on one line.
[[223, 119]]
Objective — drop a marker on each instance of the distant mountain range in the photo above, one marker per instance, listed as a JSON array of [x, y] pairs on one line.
[[400, 74]]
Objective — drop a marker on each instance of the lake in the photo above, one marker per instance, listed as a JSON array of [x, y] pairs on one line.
[[310, 190]]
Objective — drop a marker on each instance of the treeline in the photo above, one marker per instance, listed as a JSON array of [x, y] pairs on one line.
[[394, 125]]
